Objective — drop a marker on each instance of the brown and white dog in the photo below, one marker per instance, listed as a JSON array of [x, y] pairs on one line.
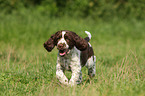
[[74, 53]]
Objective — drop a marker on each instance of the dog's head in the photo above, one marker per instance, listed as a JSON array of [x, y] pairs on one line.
[[65, 41]]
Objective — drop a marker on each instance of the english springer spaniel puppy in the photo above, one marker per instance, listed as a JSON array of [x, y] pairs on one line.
[[74, 52]]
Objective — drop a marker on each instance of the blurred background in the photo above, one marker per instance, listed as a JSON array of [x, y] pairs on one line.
[[95, 9], [32, 21], [118, 39]]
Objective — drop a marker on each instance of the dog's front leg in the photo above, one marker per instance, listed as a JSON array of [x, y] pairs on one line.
[[76, 77], [60, 75]]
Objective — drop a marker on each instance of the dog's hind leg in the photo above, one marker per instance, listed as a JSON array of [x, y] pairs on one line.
[[91, 65]]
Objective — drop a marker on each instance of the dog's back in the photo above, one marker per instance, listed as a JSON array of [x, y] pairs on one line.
[[86, 54]]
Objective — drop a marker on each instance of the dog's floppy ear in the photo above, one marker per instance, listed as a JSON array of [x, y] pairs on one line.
[[52, 41], [50, 44], [79, 42]]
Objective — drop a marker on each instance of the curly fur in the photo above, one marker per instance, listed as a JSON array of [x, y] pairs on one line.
[[74, 53]]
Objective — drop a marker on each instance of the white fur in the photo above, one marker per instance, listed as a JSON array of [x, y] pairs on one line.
[[62, 40], [72, 63], [89, 44], [91, 66], [89, 34]]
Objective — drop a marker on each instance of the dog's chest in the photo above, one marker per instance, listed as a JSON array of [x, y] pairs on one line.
[[66, 63], [71, 60]]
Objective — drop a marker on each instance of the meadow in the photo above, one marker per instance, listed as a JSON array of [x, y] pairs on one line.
[[26, 68]]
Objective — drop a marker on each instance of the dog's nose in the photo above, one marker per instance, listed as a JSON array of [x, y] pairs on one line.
[[60, 46]]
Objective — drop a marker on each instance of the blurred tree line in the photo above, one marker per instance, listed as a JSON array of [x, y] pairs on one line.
[[79, 8]]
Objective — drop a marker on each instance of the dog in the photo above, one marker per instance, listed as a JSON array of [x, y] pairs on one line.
[[74, 52]]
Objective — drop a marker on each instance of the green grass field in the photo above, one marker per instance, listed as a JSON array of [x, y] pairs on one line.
[[26, 68]]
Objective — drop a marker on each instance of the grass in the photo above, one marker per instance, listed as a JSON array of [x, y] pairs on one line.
[[27, 69]]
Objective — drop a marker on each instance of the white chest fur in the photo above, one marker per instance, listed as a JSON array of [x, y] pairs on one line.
[[72, 59]]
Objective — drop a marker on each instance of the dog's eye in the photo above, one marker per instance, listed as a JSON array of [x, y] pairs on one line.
[[66, 37], [59, 37]]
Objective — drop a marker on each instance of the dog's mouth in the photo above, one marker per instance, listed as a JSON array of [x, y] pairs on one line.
[[64, 52]]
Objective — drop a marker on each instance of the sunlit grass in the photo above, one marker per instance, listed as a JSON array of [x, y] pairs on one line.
[[26, 68]]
